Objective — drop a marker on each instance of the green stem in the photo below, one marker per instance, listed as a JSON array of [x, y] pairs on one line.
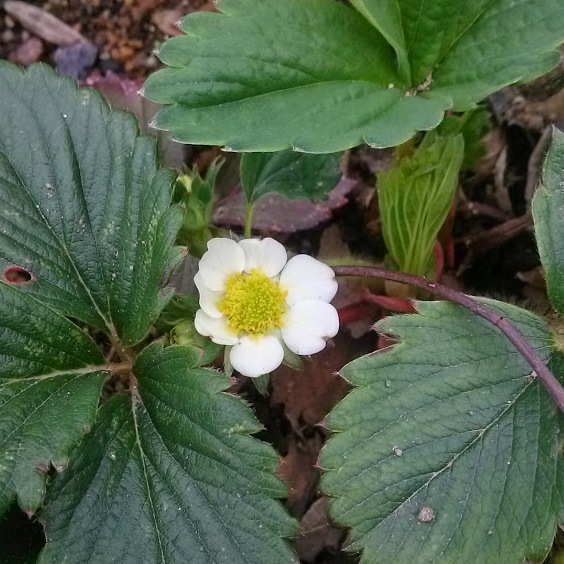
[[249, 219]]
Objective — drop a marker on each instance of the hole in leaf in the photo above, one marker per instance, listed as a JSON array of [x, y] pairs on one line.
[[17, 275]]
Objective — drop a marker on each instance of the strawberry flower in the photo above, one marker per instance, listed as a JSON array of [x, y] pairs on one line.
[[255, 300]]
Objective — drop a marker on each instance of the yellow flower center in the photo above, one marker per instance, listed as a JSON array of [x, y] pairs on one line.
[[253, 303]]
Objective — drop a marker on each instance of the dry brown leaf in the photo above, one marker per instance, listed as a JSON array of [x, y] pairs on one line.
[[316, 532], [43, 24], [276, 214], [309, 395], [167, 21], [298, 470]]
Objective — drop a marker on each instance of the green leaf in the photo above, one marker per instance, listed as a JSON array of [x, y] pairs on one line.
[[415, 197], [473, 124], [180, 307], [50, 381], [467, 50], [84, 207], [203, 348], [548, 204], [448, 422], [294, 175], [173, 478], [320, 77], [473, 49], [267, 75], [386, 17]]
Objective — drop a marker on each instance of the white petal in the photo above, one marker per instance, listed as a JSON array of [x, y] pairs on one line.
[[215, 328], [254, 356], [223, 258], [307, 326], [208, 298], [306, 278], [268, 255]]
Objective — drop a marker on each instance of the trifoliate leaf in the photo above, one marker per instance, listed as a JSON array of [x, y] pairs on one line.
[[84, 209], [320, 77], [467, 50], [172, 478], [472, 49], [267, 75], [548, 205], [50, 381], [294, 175], [448, 450]]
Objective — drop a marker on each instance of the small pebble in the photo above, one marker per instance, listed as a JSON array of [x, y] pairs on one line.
[[28, 52], [76, 60], [425, 515], [7, 36]]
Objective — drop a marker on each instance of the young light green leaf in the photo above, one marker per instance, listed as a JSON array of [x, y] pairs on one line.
[[415, 197], [172, 478], [50, 381], [294, 175], [84, 207], [267, 75], [548, 204], [448, 450], [473, 124]]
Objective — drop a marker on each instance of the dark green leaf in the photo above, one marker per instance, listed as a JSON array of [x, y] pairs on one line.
[[84, 207], [294, 175], [175, 479], [548, 206], [448, 450], [180, 307], [50, 382], [268, 75]]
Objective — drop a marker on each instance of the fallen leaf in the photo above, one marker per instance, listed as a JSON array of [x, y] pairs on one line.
[[126, 94], [298, 470], [277, 214], [309, 395], [43, 24], [316, 533], [167, 21]]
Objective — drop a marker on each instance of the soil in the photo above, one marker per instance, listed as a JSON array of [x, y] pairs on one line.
[[490, 249]]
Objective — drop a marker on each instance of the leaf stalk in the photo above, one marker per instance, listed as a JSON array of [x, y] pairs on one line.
[[552, 385], [249, 219]]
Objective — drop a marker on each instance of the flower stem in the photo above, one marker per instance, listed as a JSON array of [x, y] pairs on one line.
[[249, 219], [548, 379]]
